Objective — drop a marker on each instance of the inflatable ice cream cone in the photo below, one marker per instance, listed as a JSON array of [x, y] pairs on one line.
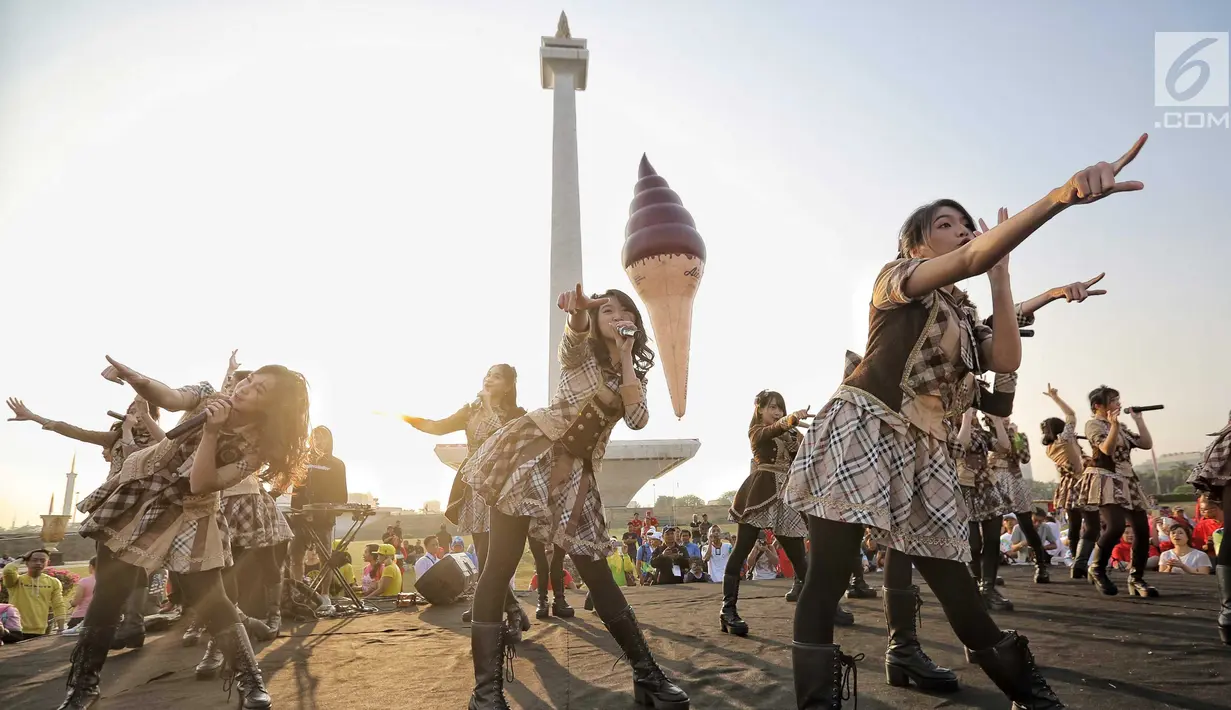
[[664, 257]]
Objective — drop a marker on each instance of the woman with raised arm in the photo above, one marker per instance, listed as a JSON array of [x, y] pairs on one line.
[[137, 430], [987, 501], [163, 510], [878, 454], [1006, 466], [1110, 485], [1060, 438], [1213, 475], [495, 406], [539, 475], [758, 504]]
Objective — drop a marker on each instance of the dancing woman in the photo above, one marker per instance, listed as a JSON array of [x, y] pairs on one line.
[[1213, 475], [1006, 464], [1060, 438], [878, 453], [495, 406], [1111, 486], [539, 475], [137, 430], [758, 503], [163, 510]]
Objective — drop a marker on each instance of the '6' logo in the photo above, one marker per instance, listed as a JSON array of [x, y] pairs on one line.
[[1190, 69]]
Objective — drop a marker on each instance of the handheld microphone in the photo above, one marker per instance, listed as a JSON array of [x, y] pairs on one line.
[[1145, 408], [189, 425], [115, 415], [627, 331], [1026, 333]]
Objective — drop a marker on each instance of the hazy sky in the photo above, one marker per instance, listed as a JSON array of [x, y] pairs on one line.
[[361, 191]]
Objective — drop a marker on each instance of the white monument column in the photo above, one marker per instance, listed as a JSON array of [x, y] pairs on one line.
[[68, 488], [563, 65]]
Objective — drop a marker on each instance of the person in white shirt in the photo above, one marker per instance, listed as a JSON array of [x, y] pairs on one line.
[[428, 559], [1182, 559], [716, 554]]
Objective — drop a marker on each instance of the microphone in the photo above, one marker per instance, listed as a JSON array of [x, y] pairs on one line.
[[1145, 408], [1026, 333], [627, 331], [189, 425], [115, 415]]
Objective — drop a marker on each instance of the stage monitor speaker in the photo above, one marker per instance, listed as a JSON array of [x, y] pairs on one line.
[[448, 579], [326, 485]]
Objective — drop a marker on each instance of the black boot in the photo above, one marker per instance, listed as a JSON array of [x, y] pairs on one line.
[[468, 615], [904, 657], [1010, 665], [797, 586], [1081, 560], [589, 603], [192, 634], [544, 609], [560, 607], [211, 663], [858, 588], [728, 617], [1097, 574], [131, 633], [240, 668], [273, 609], [992, 597], [517, 621], [843, 617], [824, 676], [487, 645], [88, 657], [650, 685], [1137, 586], [1042, 568], [1223, 574]]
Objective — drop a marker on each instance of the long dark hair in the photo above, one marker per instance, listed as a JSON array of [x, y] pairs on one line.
[[763, 399], [1052, 428], [643, 357], [918, 225], [283, 439], [509, 401]]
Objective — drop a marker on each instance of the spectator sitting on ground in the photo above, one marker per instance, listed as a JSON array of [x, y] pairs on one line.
[[569, 582], [1122, 553], [696, 571], [372, 571], [35, 594], [670, 560], [10, 624], [429, 557], [1019, 547], [458, 545], [762, 562], [623, 569], [1211, 520], [1182, 559], [390, 582]]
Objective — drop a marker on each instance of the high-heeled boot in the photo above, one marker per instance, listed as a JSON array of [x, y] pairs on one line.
[[1081, 560], [1042, 567], [904, 657], [651, 686], [1097, 574], [488, 647], [1137, 586], [192, 634], [992, 597], [1010, 665], [273, 609], [209, 665], [517, 621], [560, 607], [256, 628], [728, 617], [544, 609], [131, 632], [859, 588], [1222, 573], [89, 654], [824, 676], [240, 668], [797, 586]]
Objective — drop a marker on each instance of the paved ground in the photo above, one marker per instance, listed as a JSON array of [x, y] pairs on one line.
[[1098, 652]]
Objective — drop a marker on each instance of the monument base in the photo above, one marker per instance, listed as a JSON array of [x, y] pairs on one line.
[[627, 467]]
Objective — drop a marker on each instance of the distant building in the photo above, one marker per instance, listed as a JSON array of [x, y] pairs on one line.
[[361, 499], [432, 506]]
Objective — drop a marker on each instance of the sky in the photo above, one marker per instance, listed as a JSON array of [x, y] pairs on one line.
[[361, 191]]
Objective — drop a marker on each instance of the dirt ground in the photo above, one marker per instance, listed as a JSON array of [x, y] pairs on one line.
[[1098, 652]]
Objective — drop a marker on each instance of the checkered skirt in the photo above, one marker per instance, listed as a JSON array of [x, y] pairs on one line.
[[516, 484], [1214, 471], [1099, 487], [863, 463], [1066, 490], [475, 515], [254, 521], [991, 496], [774, 515]]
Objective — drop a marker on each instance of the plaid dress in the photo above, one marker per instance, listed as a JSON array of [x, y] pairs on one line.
[[1066, 454], [878, 454], [759, 500], [1007, 469], [147, 514], [253, 517], [987, 495], [465, 509], [1214, 471], [531, 467], [1111, 481]]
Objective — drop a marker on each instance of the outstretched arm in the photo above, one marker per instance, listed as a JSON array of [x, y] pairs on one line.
[[154, 392], [1077, 291], [22, 413], [1069, 414]]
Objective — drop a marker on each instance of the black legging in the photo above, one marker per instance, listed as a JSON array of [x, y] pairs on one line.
[[1113, 518], [508, 535], [553, 571], [1090, 526], [1074, 530], [115, 579], [746, 537], [985, 545], [832, 559], [259, 569], [1025, 521]]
